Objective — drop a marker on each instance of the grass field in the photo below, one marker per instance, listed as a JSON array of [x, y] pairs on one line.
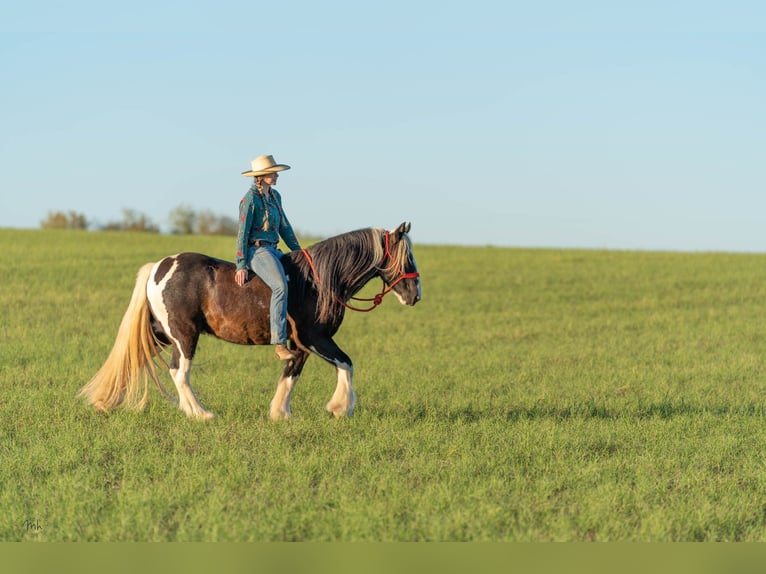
[[533, 395]]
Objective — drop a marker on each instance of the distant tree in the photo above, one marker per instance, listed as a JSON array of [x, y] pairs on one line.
[[210, 224], [227, 226], [206, 223], [183, 220], [133, 220], [61, 220]]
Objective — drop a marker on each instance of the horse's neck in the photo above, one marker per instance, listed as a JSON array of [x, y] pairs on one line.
[[350, 271], [352, 289]]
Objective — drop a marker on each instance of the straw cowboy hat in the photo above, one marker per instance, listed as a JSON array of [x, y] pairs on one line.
[[263, 165]]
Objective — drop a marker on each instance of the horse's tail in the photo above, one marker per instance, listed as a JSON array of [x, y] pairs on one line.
[[123, 378]]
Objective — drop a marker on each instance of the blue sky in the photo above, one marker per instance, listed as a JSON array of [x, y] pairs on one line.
[[619, 125]]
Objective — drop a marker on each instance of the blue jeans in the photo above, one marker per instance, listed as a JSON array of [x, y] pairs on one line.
[[265, 262]]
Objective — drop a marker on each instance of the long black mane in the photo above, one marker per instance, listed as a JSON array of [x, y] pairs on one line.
[[343, 264]]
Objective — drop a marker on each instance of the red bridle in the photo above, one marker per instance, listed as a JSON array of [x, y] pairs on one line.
[[378, 299]]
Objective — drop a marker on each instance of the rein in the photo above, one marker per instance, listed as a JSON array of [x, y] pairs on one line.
[[378, 299]]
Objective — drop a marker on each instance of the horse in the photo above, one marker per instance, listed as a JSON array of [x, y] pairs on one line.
[[182, 296]]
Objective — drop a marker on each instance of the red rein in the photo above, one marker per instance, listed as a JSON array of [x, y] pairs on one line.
[[378, 299]]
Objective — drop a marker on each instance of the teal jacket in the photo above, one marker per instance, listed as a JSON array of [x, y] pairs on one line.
[[261, 218]]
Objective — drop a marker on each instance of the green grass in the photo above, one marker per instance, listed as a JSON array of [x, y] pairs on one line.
[[533, 395]]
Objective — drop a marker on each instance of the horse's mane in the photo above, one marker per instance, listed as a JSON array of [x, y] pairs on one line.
[[344, 264]]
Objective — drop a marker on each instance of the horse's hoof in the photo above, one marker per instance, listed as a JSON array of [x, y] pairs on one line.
[[337, 412], [279, 416]]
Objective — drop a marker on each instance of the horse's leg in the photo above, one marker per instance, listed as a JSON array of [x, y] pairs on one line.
[[180, 370], [280, 404], [344, 398]]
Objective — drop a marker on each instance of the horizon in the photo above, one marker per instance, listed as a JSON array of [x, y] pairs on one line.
[[314, 237]]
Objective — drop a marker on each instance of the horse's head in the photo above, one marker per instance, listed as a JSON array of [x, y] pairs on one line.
[[400, 272]]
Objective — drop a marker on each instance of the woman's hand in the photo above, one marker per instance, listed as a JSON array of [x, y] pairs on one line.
[[240, 277]]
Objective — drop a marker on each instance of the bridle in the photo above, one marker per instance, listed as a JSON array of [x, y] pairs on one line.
[[378, 299]]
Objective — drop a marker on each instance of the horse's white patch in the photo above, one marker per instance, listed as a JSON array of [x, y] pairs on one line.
[[154, 294], [280, 404], [343, 399], [415, 268], [417, 280], [187, 401]]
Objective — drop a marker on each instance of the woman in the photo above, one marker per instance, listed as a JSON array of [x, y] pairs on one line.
[[262, 222]]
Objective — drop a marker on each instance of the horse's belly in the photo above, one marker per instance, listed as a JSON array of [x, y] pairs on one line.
[[240, 331], [238, 314]]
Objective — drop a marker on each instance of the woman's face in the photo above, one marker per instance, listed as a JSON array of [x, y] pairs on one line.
[[270, 178]]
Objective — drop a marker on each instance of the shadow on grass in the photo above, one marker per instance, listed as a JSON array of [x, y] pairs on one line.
[[643, 411], [658, 410]]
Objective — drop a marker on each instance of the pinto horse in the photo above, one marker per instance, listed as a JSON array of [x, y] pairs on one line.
[[179, 298]]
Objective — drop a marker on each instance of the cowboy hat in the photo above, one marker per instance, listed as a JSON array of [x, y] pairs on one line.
[[263, 165]]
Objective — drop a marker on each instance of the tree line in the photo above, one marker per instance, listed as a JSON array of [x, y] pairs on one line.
[[182, 220]]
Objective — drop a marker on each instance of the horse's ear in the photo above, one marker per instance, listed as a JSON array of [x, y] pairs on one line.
[[401, 230]]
